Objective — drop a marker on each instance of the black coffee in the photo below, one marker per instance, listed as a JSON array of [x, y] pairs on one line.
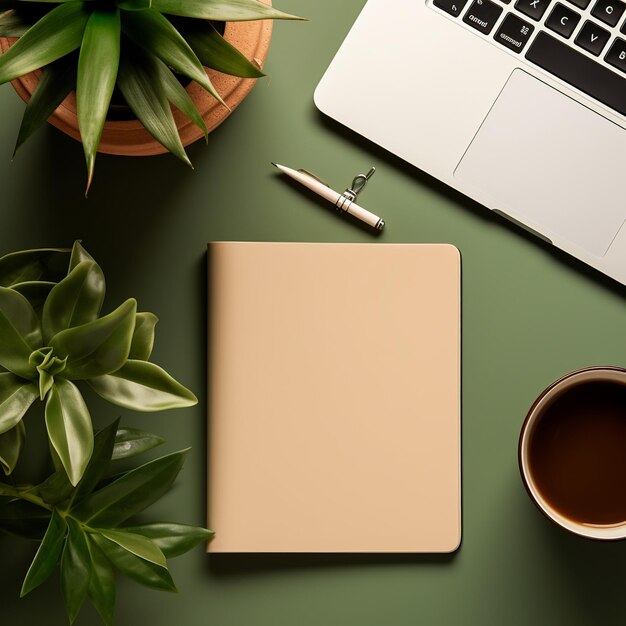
[[577, 454]]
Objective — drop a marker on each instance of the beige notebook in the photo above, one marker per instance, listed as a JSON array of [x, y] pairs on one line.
[[334, 400]]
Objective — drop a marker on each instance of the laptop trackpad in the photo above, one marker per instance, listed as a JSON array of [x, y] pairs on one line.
[[550, 163]]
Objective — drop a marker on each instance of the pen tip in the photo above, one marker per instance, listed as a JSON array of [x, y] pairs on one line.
[[274, 164]]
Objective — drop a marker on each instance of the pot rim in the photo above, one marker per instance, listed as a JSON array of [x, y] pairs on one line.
[[609, 373]]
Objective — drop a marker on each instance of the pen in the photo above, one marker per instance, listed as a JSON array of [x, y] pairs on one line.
[[343, 202]]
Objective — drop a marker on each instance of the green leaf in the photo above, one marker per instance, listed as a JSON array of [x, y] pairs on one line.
[[16, 396], [136, 544], [27, 265], [56, 488], [69, 428], [75, 569], [79, 254], [11, 443], [56, 34], [179, 97], [143, 336], [103, 445], [172, 539], [147, 98], [24, 519], [97, 72], [130, 442], [47, 556], [134, 5], [99, 347], [222, 10], [20, 333], [214, 51], [131, 493], [75, 301], [143, 386], [35, 291], [12, 24], [153, 32], [101, 590], [134, 567], [57, 80]]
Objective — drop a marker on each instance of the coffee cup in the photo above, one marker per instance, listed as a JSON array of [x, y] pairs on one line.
[[572, 452]]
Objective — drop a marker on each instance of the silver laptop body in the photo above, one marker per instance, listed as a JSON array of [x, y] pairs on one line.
[[520, 105]]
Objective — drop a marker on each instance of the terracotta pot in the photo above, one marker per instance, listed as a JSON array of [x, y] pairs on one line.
[[129, 137]]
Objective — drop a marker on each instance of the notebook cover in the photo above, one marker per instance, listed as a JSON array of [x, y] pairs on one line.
[[334, 399]]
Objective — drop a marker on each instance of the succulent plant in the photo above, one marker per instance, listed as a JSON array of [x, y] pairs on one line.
[[52, 339], [141, 48]]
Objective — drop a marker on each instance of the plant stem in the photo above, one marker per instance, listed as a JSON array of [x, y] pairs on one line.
[[13, 492]]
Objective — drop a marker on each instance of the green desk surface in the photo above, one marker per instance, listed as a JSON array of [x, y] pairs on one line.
[[530, 314]]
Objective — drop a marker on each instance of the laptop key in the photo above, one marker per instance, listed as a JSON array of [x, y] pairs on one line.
[[579, 70], [453, 7], [616, 55], [608, 11], [532, 8], [563, 20], [483, 15], [592, 38], [514, 32]]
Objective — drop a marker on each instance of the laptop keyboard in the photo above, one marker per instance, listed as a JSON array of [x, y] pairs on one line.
[[581, 42]]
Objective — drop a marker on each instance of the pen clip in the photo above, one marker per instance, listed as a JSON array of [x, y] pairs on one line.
[[359, 182], [313, 176]]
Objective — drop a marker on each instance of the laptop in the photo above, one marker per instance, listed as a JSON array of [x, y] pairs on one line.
[[518, 104]]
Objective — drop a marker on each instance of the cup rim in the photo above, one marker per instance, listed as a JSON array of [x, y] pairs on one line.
[[596, 373]]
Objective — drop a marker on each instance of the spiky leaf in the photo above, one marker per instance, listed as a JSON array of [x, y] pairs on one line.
[[47, 555], [101, 590], [103, 445], [179, 97], [214, 51], [75, 569], [140, 570], [56, 34], [57, 80], [97, 72], [130, 442], [222, 10], [147, 98], [156, 34], [136, 544], [172, 539], [132, 493]]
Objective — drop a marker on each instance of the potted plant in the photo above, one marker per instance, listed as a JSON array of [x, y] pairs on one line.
[[53, 340], [108, 73]]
